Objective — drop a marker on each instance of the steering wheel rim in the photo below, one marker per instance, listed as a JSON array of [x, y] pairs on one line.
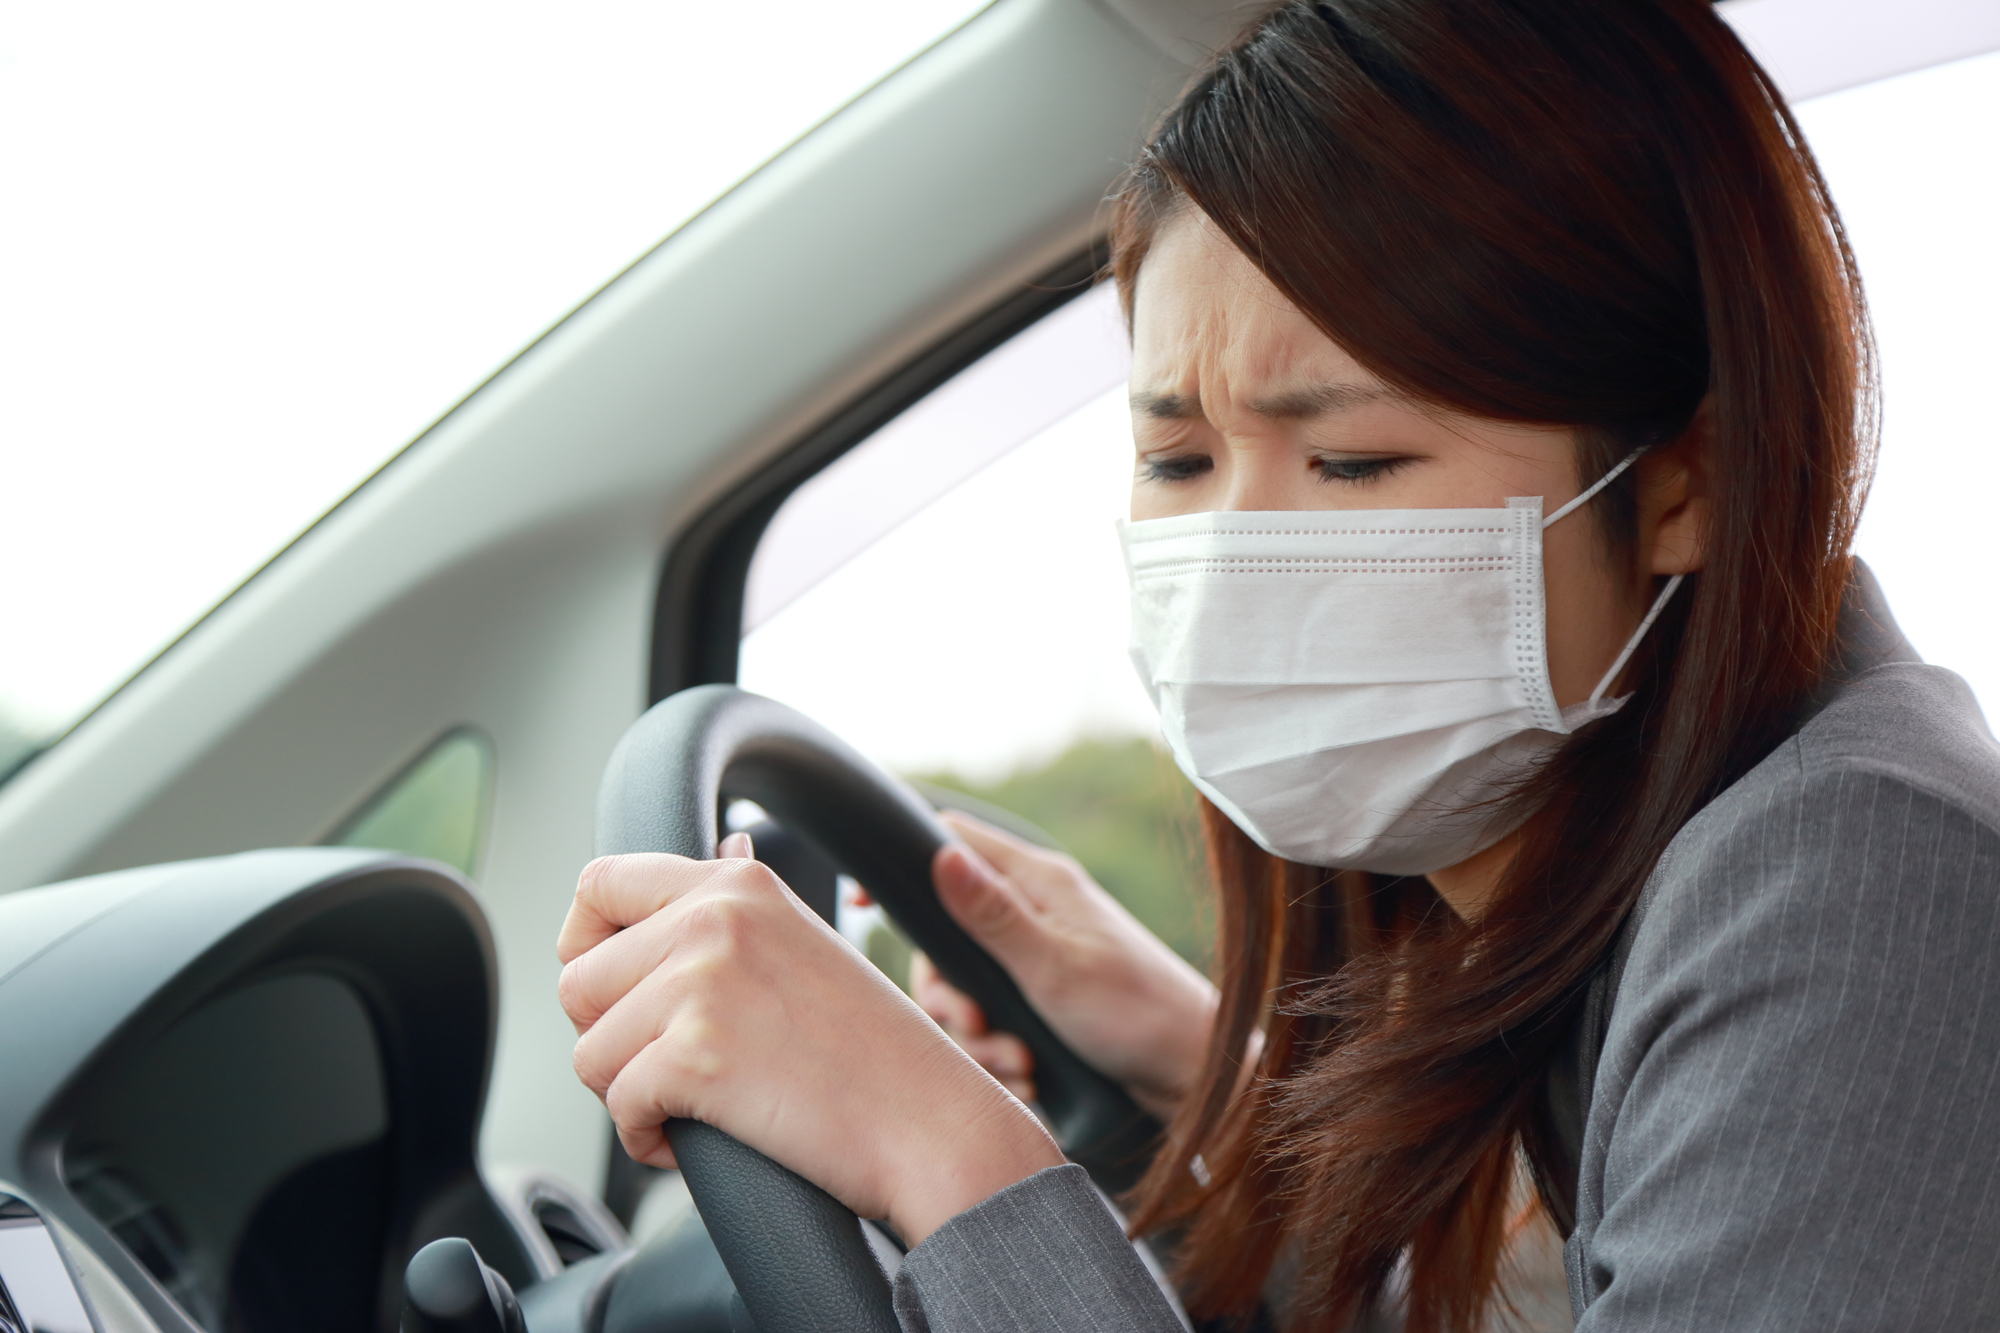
[[797, 1256]]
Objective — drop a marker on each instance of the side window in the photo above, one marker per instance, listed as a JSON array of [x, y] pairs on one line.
[[1913, 168], [949, 597], [435, 808]]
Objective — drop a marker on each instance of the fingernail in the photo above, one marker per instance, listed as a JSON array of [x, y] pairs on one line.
[[734, 847], [948, 867], [965, 867]]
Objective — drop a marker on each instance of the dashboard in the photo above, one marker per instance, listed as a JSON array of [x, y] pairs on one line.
[[243, 1092], [243, 1157]]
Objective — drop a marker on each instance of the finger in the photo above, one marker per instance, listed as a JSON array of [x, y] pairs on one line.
[[598, 979], [595, 981], [693, 943], [648, 1146], [624, 1029], [642, 1099], [614, 892], [1002, 1055], [1006, 853], [736, 847], [1008, 1060], [949, 1007], [992, 910]]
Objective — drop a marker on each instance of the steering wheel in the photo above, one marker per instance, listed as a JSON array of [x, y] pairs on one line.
[[797, 1255]]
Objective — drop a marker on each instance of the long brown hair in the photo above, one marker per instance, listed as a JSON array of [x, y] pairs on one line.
[[1592, 213]]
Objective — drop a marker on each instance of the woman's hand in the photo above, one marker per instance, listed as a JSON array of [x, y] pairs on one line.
[[705, 989], [1119, 997]]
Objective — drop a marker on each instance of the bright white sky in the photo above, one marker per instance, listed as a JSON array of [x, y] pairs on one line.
[[251, 249], [989, 631], [986, 631], [1915, 167]]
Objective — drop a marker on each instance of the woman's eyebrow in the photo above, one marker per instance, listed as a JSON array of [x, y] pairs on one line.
[[1166, 406], [1320, 400], [1297, 404]]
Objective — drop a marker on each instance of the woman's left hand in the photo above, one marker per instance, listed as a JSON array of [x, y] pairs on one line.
[[706, 989]]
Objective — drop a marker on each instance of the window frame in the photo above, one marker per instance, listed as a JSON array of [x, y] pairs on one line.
[[698, 606]]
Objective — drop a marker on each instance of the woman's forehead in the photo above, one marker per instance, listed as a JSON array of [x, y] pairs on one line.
[[1202, 312]]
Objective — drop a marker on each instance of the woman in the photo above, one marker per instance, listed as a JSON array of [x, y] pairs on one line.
[[1501, 404]]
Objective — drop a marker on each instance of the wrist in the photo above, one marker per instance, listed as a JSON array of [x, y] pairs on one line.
[[978, 1144], [1177, 1052]]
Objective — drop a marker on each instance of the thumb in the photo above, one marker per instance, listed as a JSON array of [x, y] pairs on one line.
[[981, 900]]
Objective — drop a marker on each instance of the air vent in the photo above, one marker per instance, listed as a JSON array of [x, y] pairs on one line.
[[575, 1239]]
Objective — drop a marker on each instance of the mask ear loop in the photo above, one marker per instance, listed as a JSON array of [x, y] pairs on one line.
[[1595, 487], [1632, 644], [1659, 603]]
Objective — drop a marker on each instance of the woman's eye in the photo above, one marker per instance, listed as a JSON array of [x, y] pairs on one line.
[[1174, 467], [1355, 470]]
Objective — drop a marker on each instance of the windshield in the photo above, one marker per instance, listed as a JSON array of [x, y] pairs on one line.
[[252, 250]]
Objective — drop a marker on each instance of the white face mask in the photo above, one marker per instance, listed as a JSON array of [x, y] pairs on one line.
[[1355, 687]]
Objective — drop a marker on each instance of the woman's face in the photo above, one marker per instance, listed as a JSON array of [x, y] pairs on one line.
[[1239, 402]]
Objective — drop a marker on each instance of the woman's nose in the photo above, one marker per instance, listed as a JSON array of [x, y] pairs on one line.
[[1260, 475]]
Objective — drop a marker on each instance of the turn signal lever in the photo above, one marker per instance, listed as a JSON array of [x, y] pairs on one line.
[[448, 1288]]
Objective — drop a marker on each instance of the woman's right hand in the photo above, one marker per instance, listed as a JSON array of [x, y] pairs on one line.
[[1118, 996]]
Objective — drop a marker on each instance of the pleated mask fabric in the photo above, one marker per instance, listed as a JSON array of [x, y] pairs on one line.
[[1356, 688]]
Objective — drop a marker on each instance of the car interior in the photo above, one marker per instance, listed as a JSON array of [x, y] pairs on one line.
[[279, 1047]]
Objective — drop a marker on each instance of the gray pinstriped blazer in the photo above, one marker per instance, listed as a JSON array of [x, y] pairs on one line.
[[1795, 1117]]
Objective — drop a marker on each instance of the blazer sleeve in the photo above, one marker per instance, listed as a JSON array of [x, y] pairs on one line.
[[1043, 1254], [1796, 1122]]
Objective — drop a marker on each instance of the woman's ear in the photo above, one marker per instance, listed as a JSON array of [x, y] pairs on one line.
[[1673, 499]]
